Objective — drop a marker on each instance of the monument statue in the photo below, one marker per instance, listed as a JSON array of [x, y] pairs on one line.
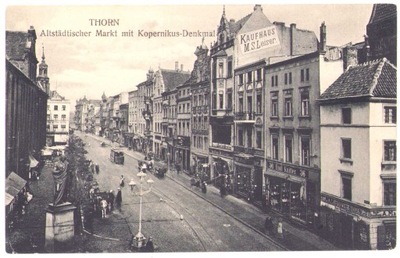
[[60, 174]]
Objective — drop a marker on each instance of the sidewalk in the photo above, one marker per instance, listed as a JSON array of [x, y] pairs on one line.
[[296, 236]]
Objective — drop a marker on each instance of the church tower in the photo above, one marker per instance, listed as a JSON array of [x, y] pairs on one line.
[[42, 79]]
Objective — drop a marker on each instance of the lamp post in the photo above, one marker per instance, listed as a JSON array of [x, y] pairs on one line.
[[139, 239], [168, 154]]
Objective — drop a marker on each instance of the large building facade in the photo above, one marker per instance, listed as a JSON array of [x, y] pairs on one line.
[[26, 104], [358, 150], [58, 111]]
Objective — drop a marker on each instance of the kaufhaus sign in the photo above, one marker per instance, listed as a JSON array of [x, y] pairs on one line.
[[258, 39]]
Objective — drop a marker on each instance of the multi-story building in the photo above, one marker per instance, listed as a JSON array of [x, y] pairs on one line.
[[382, 32], [58, 111], [183, 129], [200, 115], [164, 109], [85, 112], [26, 104], [358, 157], [133, 115]]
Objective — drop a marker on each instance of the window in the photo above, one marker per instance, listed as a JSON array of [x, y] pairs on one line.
[[346, 148], [275, 147], [240, 137], [389, 193], [259, 103], [390, 115], [63, 117], [63, 107], [55, 127], [229, 99], [258, 139], [195, 101], [249, 77], [302, 75], [389, 150], [305, 150], [48, 107], [240, 79], [274, 80], [214, 101], [346, 187], [258, 74], [307, 74], [229, 68], [55, 107], [288, 78], [288, 106], [48, 117], [221, 101], [346, 115], [249, 138], [55, 116], [250, 104], [305, 104], [274, 107], [220, 70], [240, 103], [63, 126], [288, 148]]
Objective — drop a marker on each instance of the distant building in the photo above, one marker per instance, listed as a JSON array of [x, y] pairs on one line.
[[58, 112], [358, 157]]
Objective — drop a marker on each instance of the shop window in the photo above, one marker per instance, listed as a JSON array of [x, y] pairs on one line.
[[288, 148], [275, 147], [389, 150], [305, 150], [390, 115], [346, 115], [389, 193]]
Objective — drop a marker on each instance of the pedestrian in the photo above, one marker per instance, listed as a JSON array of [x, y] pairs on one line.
[[149, 245], [132, 184], [118, 198], [111, 198], [97, 168], [268, 224], [279, 229], [122, 181]]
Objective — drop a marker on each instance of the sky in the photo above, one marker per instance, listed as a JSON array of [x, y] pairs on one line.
[[89, 66]]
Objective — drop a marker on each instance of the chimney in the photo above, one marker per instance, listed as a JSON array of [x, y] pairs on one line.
[[232, 20], [292, 29], [176, 66], [350, 57], [181, 67], [322, 37]]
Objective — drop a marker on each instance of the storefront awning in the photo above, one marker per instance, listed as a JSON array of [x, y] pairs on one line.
[[32, 162], [9, 198], [14, 184], [293, 178]]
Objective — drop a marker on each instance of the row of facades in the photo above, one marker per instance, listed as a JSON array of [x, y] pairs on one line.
[[273, 114]]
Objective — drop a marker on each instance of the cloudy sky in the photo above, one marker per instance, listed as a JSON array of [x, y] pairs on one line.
[[89, 66]]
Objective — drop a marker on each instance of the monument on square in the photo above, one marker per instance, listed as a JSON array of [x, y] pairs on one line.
[[60, 225]]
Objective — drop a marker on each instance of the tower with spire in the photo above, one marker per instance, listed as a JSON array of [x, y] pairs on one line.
[[43, 79]]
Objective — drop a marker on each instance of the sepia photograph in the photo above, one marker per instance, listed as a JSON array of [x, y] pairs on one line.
[[200, 128]]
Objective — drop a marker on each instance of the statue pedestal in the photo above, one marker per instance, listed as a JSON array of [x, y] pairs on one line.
[[60, 227]]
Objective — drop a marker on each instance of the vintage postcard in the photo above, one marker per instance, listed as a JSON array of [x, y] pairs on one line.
[[200, 128]]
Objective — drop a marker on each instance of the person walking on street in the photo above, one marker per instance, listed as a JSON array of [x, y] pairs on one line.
[[103, 205], [118, 199], [122, 181], [111, 198], [279, 229], [97, 168], [268, 225], [149, 245]]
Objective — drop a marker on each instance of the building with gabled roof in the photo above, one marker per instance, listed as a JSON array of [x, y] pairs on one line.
[[358, 157], [58, 112]]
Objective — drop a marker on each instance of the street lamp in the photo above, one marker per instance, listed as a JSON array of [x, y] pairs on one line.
[[139, 239], [168, 154]]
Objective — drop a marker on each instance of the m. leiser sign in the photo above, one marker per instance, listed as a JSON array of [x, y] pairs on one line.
[[258, 39]]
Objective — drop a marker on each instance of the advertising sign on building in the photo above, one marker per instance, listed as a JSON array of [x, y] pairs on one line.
[[258, 39]]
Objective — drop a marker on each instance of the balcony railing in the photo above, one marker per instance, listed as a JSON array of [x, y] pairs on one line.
[[245, 116], [242, 149]]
